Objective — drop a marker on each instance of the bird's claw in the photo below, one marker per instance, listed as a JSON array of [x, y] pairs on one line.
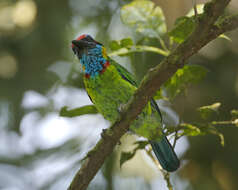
[[103, 134], [121, 107]]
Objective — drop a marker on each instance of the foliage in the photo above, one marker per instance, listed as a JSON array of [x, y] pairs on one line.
[[125, 156], [184, 26], [234, 113], [207, 111], [89, 109], [118, 44], [207, 125], [182, 79], [185, 76], [198, 128], [32, 74], [146, 18]]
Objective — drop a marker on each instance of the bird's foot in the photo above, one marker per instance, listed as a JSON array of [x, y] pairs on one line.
[[121, 107], [103, 134]]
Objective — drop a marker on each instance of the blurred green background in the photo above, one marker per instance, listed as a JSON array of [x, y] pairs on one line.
[[39, 75]]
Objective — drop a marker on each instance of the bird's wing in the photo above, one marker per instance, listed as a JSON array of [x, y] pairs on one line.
[[90, 97], [126, 75]]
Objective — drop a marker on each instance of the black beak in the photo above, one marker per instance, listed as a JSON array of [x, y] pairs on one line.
[[78, 47], [80, 44]]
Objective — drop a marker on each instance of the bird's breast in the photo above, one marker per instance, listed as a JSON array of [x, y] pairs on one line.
[[108, 92]]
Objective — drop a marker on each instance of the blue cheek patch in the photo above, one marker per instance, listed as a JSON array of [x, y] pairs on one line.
[[93, 61]]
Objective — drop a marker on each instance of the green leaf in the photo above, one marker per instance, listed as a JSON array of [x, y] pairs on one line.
[[184, 26], [183, 78], [224, 37], [126, 42], [214, 131], [141, 144], [114, 45], [235, 122], [138, 48], [234, 113], [89, 109], [200, 129], [144, 17], [207, 111], [118, 44], [125, 156], [220, 21], [190, 130]]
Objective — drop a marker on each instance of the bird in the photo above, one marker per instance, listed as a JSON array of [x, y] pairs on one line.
[[110, 85]]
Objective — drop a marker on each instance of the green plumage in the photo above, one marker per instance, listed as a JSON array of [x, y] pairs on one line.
[[110, 86], [110, 91]]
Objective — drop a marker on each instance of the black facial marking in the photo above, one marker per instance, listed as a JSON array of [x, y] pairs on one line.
[[88, 38], [81, 46]]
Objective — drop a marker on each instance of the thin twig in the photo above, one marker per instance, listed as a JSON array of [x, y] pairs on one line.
[[176, 137], [165, 174], [163, 44], [233, 122], [195, 9]]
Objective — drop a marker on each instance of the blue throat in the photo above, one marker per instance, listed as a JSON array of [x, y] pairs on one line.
[[93, 61]]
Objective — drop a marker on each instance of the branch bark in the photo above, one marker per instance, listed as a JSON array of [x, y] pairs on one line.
[[205, 31]]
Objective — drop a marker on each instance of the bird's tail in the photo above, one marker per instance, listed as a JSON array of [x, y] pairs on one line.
[[165, 154]]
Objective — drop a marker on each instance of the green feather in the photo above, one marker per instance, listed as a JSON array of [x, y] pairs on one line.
[[110, 86], [109, 91], [112, 89], [124, 73]]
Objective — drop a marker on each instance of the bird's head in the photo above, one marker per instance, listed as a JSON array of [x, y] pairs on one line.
[[84, 44], [92, 54]]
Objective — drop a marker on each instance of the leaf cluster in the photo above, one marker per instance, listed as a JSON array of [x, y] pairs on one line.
[[147, 20]]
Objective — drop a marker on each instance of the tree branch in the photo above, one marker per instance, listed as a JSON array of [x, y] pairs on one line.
[[205, 31]]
